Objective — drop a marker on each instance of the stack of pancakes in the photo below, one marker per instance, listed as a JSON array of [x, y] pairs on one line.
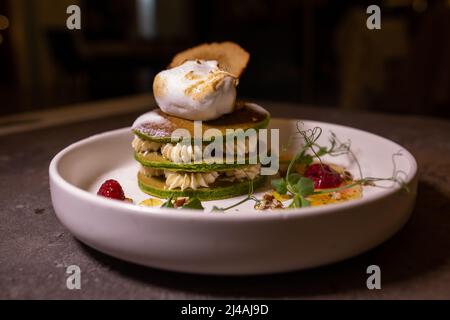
[[171, 167]]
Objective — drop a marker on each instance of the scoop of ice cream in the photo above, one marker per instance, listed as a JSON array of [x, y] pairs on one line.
[[195, 90]]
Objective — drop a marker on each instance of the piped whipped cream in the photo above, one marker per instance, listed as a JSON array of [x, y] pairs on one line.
[[144, 146], [195, 90], [180, 153], [189, 179], [195, 180]]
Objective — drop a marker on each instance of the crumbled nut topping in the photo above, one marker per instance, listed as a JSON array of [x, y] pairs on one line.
[[268, 202], [180, 201]]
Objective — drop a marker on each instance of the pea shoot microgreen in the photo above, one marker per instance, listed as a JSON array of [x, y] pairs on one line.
[[168, 203], [298, 187], [249, 197], [301, 187]]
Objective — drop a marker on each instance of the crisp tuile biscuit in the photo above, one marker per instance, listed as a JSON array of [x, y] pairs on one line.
[[231, 57]]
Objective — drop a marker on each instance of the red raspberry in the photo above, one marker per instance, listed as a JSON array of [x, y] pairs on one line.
[[323, 175], [111, 189]]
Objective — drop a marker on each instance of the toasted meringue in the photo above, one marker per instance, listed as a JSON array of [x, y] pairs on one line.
[[196, 90]]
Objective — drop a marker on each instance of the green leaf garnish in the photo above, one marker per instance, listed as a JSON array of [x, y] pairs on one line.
[[279, 185], [294, 178], [168, 203], [305, 202], [296, 202], [321, 152], [306, 160], [193, 203], [305, 187]]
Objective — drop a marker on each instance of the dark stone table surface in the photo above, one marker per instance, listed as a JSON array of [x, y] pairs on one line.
[[35, 248]]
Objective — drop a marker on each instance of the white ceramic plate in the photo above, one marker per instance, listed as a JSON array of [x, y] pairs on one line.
[[241, 241]]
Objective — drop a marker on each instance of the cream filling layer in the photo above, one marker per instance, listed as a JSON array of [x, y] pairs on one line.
[[189, 180], [144, 146], [181, 153], [195, 180]]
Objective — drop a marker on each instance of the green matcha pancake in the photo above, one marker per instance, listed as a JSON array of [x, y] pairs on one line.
[[220, 189], [158, 126], [157, 161]]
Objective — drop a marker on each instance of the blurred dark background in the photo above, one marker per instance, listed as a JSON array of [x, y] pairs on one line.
[[310, 52]]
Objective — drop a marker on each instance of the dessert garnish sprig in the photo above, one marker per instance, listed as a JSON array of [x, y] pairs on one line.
[[249, 197], [301, 187]]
